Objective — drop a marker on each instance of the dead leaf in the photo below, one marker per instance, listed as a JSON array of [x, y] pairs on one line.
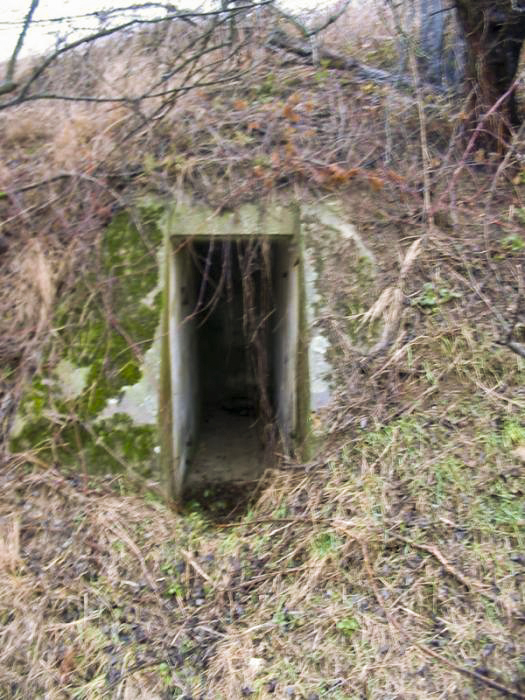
[[339, 174], [289, 150], [519, 452], [67, 664], [396, 177], [291, 114], [376, 183]]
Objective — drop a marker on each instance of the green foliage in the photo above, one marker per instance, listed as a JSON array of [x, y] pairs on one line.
[[287, 620], [348, 626], [164, 671], [431, 296], [326, 543], [323, 73], [513, 433], [520, 212], [514, 243], [268, 86], [449, 474]]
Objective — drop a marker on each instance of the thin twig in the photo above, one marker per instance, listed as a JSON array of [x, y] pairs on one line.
[[191, 561], [484, 680], [474, 137], [432, 549]]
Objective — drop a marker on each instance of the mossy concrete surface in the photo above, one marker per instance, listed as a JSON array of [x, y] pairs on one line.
[[329, 237], [273, 218], [77, 410], [104, 400]]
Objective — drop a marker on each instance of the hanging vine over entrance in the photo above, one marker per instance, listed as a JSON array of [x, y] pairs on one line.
[[235, 286], [255, 262]]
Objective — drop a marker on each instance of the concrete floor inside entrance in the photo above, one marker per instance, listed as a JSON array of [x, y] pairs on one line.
[[228, 450]]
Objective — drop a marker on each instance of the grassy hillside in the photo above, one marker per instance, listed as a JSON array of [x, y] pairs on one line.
[[392, 565]]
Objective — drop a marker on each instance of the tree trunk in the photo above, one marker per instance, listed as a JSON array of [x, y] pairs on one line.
[[494, 32], [442, 44]]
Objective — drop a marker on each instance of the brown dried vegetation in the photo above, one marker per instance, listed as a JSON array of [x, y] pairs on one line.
[[392, 565]]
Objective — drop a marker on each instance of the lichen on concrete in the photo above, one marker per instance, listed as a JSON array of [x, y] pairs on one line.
[[98, 401], [103, 331], [330, 240]]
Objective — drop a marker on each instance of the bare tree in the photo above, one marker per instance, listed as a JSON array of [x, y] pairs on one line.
[[204, 46], [494, 32]]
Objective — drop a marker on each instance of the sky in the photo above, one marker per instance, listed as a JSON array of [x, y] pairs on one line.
[[42, 33]]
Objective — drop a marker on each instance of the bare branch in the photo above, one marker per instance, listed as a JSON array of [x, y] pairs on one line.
[[293, 21], [281, 40], [303, 29], [8, 85], [508, 329], [24, 94], [99, 14], [331, 19]]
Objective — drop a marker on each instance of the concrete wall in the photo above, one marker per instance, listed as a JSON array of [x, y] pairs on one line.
[[179, 368], [286, 339], [129, 412]]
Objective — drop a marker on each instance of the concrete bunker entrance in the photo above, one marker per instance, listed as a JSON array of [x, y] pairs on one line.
[[235, 343], [236, 433]]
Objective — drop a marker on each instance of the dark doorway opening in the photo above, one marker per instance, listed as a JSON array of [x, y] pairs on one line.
[[233, 360], [233, 317]]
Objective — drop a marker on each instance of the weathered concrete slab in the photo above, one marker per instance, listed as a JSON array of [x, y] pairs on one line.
[[121, 386]]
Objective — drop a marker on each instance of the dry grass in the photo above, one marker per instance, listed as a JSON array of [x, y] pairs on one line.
[[392, 565], [335, 582]]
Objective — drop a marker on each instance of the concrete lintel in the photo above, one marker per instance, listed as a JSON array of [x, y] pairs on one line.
[[248, 221]]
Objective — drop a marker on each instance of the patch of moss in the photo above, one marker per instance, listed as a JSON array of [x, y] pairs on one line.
[[107, 324], [116, 445]]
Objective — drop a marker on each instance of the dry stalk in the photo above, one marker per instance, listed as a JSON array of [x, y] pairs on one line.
[[483, 680], [191, 561], [120, 533], [10, 558], [389, 305], [432, 549]]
